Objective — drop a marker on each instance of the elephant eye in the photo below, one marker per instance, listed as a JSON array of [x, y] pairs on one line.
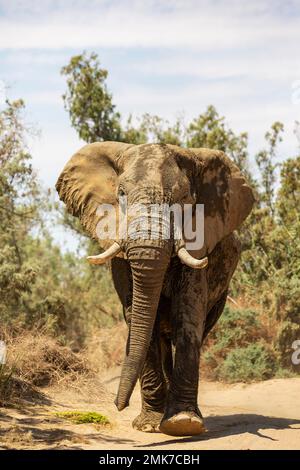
[[121, 192], [186, 196]]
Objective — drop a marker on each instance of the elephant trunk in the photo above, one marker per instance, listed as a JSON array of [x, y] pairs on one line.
[[148, 276]]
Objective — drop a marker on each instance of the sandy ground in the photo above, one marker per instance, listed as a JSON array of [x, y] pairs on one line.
[[264, 415]]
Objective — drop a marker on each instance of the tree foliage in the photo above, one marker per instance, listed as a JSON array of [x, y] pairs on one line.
[[19, 212], [93, 115], [88, 101], [38, 283], [265, 160]]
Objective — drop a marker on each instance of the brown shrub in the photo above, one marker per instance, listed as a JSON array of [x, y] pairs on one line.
[[107, 347], [36, 360]]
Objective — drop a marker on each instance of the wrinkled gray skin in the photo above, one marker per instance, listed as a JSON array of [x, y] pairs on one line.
[[168, 306]]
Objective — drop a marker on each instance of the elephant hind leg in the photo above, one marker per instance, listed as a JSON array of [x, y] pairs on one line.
[[167, 357], [214, 314], [222, 264], [165, 333]]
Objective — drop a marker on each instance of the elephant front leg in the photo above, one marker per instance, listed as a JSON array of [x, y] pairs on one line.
[[182, 416], [153, 390]]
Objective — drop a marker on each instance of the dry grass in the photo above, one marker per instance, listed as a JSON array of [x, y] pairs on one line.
[[36, 360], [107, 347], [16, 436]]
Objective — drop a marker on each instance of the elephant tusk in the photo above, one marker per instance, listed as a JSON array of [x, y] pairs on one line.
[[182, 252], [190, 261], [107, 255]]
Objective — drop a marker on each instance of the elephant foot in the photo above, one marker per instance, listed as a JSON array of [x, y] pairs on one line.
[[185, 423], [147, 421]]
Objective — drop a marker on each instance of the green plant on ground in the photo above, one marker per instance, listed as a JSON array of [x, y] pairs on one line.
[[83, 417]]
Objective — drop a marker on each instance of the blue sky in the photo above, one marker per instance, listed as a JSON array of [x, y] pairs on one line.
[[163, 57]]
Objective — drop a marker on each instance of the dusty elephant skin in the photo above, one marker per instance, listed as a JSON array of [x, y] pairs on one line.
[[169, 306]]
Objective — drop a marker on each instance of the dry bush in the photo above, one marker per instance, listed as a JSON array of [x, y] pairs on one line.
[[36, 360], [107, 347], [239, 348], [41, 361]]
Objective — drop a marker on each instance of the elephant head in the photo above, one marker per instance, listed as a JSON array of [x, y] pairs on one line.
[[102, 173]]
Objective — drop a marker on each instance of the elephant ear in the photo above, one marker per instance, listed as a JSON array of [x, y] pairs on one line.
[[226, 196], [90, 179]]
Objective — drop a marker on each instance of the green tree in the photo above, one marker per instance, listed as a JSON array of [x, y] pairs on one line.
[[133, 134], [20, 204], [211, 130], [88, 101], [38, 283], [159, 130], [93, 115], [267, 165], [288, 198]]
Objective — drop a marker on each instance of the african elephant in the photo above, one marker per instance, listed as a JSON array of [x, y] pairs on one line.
[[169, 302]]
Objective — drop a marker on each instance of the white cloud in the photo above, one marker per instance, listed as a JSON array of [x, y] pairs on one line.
[[51, 150], [52, 98], [26, 57], [200, 25], [240, 56], [256, 65], [163, 57]]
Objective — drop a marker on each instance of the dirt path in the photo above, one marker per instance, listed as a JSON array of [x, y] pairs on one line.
[[265, 415]]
